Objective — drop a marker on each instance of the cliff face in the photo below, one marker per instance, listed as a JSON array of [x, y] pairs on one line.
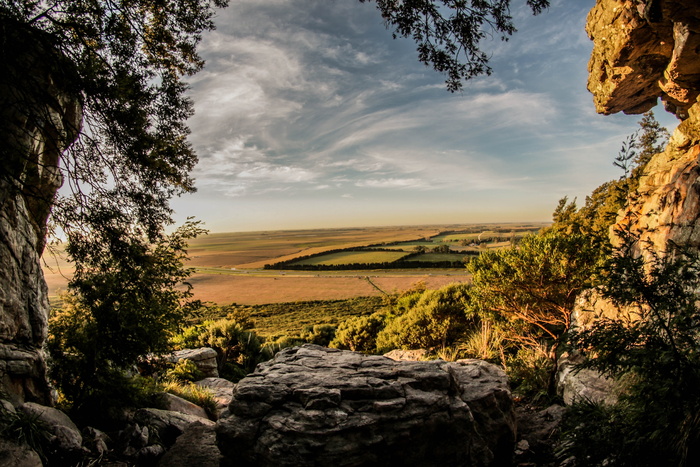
[[643, 51], [38, 121]]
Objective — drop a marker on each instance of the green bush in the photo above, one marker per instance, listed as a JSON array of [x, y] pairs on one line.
[[656, 353], [432, 319], [238, 349], [183, 371], [359, 333], [191, 392], [319, 334]]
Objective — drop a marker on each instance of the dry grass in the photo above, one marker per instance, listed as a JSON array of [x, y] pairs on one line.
[[260, 289]]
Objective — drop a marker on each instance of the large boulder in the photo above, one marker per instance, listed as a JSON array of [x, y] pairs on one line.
[[316, 406], [196, 447]]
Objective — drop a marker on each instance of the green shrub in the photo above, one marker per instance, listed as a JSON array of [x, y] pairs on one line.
[[238, 349], [433, 319], [319, 334], [184, 370], [359, 333], [656, 353]]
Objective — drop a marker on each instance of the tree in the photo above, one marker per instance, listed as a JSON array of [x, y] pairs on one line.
[[652, 140], [449, 33], [117, 314], [654, 350], [532, 288]]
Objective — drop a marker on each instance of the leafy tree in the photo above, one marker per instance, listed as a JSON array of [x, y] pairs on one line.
[[655, 348], [449, 33], [109, 321], [532, 289], [652, 140], [359, 333], [602, 207]]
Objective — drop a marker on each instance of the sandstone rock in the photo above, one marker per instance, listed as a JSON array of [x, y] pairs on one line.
[[174, 403], [538, 435], [316, 406], [644, 50], [65, 435], [34, 131], [196, 447], [95, 441], [169, 425], [407, 355], [16, 455], [221, 388], [204, 358]]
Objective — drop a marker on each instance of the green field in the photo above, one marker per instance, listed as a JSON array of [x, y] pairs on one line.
[[436, 257], [353, 257]]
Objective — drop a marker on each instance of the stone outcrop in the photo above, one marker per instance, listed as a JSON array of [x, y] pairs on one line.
[[196, 447], [316, 406], [221, 389], [643, 50], [38, 120]]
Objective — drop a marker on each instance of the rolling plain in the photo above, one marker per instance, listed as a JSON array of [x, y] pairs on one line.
[[230, 267]]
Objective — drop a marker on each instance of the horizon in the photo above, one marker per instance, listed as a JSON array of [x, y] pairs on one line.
[[309, 115]]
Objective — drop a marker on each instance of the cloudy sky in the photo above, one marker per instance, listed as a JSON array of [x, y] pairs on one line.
[[309, 114]]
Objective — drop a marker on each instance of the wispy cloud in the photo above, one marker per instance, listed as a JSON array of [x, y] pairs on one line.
[[312, 102]]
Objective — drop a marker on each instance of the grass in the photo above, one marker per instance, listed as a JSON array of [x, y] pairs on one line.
[[289, 319], [433, 257]]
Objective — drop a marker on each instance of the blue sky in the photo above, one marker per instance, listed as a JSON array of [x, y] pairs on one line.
[[309, 115]]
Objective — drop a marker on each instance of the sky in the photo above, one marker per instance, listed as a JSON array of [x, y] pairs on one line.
[[309, 115]]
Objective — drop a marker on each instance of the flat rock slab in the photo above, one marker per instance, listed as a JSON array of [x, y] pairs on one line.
[[313, 406]]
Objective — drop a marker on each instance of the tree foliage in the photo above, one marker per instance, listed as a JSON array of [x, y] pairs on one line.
[[111, 320], [655, 348], [449, 33]]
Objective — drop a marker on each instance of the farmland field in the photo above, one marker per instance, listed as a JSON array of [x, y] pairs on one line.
[[229, 266], [354, 257]]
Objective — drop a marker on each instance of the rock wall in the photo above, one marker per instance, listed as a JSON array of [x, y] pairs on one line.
[[38, 121], [643, 51]]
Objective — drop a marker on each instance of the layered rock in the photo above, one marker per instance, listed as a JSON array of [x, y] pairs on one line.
[[643, 50], [39, 119], [317, 406]]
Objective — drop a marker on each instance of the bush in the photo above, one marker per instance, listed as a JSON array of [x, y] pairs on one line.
[[430, 320], [656, 352], [191, 392], [319, 334], [359, 333], [238, 350], [184, 371]]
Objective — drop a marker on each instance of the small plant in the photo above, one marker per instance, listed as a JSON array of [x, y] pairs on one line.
[[24, 429], [191, 392], [184, 370]]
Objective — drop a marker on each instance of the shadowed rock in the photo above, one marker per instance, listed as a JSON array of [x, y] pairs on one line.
[[316, 406]]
